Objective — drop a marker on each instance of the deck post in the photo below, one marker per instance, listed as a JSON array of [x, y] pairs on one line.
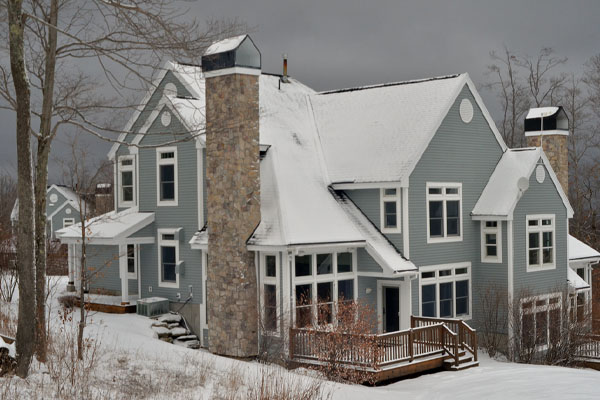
[[456, 350], [410, 344], [475, 346]]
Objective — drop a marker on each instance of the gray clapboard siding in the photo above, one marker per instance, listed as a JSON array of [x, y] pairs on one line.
[[57, 219], [51, 207], [540, 198], [366, 263], [103, 265]]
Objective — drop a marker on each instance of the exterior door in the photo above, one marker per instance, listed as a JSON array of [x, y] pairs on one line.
[[391, 309]]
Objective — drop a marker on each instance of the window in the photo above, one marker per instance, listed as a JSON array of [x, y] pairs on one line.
[[270, 293], [445, 291], [68, 222], [540, 242], [491, 241], [390, 210], [444, 212], [541, 320], [126, 181], [131, 259], [166, 174], [317, 289], [168, 258]]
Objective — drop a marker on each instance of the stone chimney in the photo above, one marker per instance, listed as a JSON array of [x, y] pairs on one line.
[[548, 127], [232, 70]]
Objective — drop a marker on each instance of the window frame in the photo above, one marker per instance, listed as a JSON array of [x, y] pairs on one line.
[[497, 230], [383, 198], [168, 243], [444, 198], [314, 279], [72, 220], [127, 168], [270, 280], [167, 161], [540, 229], [453, 277], [544, 308]]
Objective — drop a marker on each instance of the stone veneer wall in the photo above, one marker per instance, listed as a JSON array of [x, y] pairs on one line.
[[557, 151], [233, 208]]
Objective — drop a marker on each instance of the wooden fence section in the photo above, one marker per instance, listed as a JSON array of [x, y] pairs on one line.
[[590, 349], [428, 337]]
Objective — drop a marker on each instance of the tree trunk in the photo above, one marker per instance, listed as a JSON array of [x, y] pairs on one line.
[[25, 239], [82, 280], [41, 181]]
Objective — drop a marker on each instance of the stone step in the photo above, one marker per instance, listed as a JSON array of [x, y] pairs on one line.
[[170, 318], [190, 344], [187, 337]]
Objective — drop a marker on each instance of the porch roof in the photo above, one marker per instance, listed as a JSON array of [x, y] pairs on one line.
[[109, 228], [579, 251], [575, 281]]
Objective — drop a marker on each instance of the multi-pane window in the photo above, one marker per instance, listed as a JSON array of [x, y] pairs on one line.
[[445, 291], [444, 214], [540, 242], [126, 181], [167, 175], [541, 320], [131, 259], [168, 252], [68, 222], [270, 295], [491, 241], [390, 210], [321, 281]]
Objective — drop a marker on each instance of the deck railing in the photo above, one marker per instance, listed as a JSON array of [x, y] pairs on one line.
[[427, 337], [590, 348]]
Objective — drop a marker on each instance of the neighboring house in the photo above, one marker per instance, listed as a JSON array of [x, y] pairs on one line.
[[403, 196], [62, 209]]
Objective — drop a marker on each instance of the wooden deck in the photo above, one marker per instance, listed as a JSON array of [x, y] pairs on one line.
[[588, 354], [429, 344]]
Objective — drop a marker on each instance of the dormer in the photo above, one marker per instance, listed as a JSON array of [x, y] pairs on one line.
[[235, 52]]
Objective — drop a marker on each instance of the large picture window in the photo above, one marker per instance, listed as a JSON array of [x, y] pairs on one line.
[[166, 174], [541, 320], [444, 212], [168, 258], [321, 281], [491, 241], [390, 210], [126, 179], [540, 242], [445, 291]]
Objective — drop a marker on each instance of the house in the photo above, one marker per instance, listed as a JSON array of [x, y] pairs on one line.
[[245, 189], [62, 209]]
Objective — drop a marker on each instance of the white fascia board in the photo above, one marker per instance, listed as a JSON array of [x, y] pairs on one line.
[[370, 185], [324, 246], [203, 247], [167, 66], [109, 242], [387, 269], [559, 132], [490, 217], [232, 70], [266, 248]]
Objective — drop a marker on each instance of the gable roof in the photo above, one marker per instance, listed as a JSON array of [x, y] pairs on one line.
[[225, 45], [379, 133], [578, 250], [71, 198], [502, 193]]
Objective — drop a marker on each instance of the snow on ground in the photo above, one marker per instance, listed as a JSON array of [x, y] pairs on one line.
[[130, 345]]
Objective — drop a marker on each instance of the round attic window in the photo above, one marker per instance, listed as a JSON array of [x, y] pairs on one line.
[[170, 89], [53, 198], [466, 110], [165, 118], [68, 211], [540, 174]]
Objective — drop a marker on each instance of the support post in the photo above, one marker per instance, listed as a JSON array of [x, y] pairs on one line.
[[123, 274]]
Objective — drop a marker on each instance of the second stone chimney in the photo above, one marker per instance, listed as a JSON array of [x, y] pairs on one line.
[[548, 127], [232, 70]]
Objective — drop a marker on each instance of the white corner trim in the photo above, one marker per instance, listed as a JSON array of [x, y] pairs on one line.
[[232, 70], [405, 225]]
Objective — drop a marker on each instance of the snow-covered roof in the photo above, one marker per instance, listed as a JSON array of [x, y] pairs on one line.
[[191, 112], [108, 228], [541, 112], [225, 45], [71, 198], [575, 281], [378, 133], [381, 249], [581, 251], [502, 192], [199, 240]]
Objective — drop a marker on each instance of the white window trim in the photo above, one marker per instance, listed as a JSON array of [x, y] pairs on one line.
[[71, 220], [136, 260], [443, 197], [168, 161], [270, 280], [174, 243], [313, 279], [498, 232], [120, 169], [540, 228], [451, 278], [545, 308], [388, 199]]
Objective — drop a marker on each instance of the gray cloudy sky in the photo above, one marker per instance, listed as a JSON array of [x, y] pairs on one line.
[[341, 43]]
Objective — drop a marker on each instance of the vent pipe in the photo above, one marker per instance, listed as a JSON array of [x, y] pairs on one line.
[[284, 77]]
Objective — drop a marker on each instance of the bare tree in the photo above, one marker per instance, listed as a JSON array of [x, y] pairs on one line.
[[8, 195], [120, 43], [543, 83]]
